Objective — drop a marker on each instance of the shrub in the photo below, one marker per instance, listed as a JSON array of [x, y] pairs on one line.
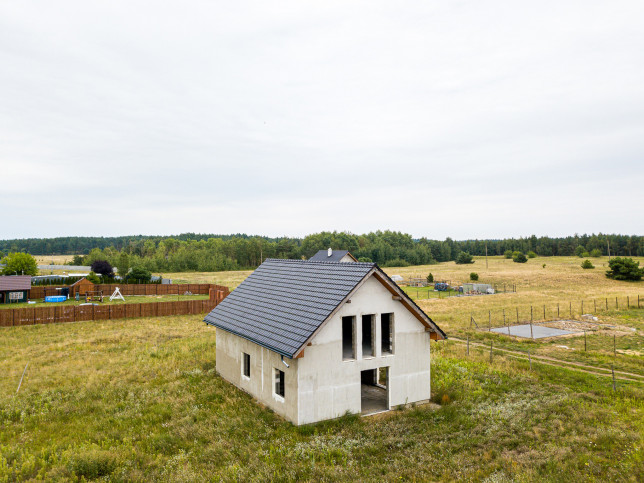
[[430, 278], [474, 276], [579, 251], [397, 262], [585, 255], [543, 266], [587, 264], [365, 260], [139, 274], [464, 258], [92, 277], [507, 254], [595, 253], [519, 257], [103, 268], [624, 269], [532, 254], [19, 263]]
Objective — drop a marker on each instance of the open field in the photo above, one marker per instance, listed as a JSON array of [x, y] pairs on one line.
[[139, 399], [54, 259]]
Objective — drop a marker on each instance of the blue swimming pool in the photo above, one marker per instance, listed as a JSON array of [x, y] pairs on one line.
[[55, 298]]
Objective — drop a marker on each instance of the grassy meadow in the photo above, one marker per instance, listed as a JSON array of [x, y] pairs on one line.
[[140, 400]]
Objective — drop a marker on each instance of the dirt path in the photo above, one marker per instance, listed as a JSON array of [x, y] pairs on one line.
[[621, 375]]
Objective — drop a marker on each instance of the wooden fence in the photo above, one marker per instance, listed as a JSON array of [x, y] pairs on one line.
[[137, 289], [74, 313]]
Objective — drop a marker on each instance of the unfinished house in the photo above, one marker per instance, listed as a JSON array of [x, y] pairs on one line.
[[331, 255], [315, 340]]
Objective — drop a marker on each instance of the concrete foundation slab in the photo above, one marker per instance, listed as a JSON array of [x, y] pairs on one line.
[[374, 399], [538, 331]]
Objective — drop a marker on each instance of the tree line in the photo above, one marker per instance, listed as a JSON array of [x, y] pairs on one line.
[[200, 252]]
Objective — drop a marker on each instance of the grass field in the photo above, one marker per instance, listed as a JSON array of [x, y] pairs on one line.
[[129, 299], [139, 399]]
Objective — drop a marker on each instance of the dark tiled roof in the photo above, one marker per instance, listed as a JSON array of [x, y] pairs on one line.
[[15, 282], [323, 256], [282, 303]]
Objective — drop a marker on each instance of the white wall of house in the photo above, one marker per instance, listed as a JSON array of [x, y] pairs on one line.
[[261, 383], [330, 386]]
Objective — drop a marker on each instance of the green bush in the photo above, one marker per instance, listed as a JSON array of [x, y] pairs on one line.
[[532, 254], [519, 257], [92, 277], [464, 258], [579, 251], [587, 264], [365, 260], [624, 269], [507, 254], [595, 253], [19, 263], [139, 274], [474, 276], [430, 278]]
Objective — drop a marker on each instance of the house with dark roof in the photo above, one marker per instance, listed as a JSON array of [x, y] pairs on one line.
[[14, 288], [315, 340], [331, 255]]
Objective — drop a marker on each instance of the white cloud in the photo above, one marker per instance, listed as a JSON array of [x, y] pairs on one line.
[[462, 119]]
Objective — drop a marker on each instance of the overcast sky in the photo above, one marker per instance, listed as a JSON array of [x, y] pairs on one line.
[[466, 119]]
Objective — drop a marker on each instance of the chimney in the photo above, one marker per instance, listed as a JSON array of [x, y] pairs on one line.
[[329, 253]]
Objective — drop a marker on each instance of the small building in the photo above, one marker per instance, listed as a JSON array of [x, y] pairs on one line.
[[81, 287], [397, 278], [331, 255], [315, 340], [14, 288]]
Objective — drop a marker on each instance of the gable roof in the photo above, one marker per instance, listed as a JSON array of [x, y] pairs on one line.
[[15, 282], [336, 256], [283, 303]]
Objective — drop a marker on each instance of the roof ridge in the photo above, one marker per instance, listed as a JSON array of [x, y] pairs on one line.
[[352, 264]]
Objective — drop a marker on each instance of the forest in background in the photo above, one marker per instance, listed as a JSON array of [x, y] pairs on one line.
[[205, 252]]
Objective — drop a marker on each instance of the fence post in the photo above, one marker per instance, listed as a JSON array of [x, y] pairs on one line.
[[606, 303], [517, 315], [582, 307], [616, 303], [557, 309], [531, 334], [628, 302], [544, 312]]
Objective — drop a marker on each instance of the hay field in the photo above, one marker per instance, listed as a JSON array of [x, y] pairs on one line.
[[54, 259]]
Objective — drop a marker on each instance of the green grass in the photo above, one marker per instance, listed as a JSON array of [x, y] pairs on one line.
[[129, 299], [139, 400]]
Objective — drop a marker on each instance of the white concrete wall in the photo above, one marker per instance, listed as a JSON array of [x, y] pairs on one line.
[[329, 387], [262, 364]]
